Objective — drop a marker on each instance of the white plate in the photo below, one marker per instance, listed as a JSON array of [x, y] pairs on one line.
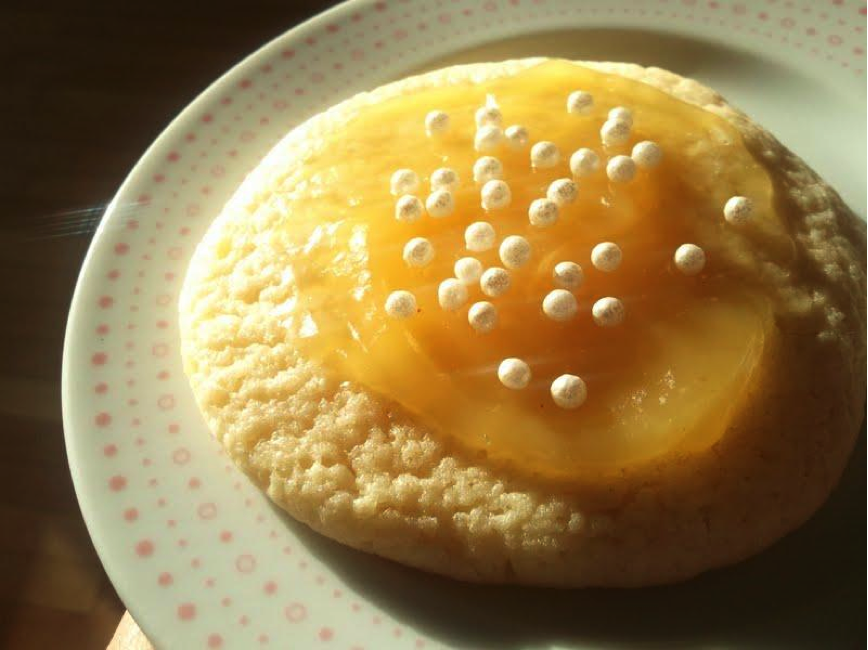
[[198, 554]]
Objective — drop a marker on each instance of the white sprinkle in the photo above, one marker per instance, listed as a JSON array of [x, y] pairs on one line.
[[479, 236], [495, 195], [468, 270], [488, 138], [584, 162], [495, 282], [544, 154], [569, 391], [436, 123], [614, 133], [568, 275], [621, 169], [404, 181], [482, 316], [451, 294], [515, 252], [542, 213], [563, 191], [689, 259], [308, 327], [444, 178], [418, 252], [401, 304], [647, 154], [517, 136], [408, 208], [514, 373], [580, 102], [440, 203], [560, 305], [621, 114], [738, 210], [487, 168], [608, 312], [606, 257], [488, 116]]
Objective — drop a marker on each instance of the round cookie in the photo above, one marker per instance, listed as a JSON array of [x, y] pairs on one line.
[[364, 471]]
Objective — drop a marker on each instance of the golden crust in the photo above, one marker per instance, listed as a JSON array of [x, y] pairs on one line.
[[357, 468]]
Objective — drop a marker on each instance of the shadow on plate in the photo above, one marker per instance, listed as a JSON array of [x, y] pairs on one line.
[[807, 591]]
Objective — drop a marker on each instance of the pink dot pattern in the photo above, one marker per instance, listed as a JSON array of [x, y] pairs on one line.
[[162, 480], [145, 548], [187, 611]]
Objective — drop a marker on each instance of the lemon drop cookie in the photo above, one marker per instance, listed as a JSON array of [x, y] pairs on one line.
[[536, 322]]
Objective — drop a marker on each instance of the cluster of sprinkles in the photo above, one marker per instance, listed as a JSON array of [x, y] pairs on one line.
[[568, 391]]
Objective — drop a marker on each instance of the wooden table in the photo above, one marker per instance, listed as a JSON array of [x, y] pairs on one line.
[[86, 88]]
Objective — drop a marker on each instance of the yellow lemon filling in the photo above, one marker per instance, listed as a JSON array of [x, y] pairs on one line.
[[661, 371]]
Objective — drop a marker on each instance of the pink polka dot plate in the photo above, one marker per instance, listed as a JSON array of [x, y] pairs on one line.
[[200, 556]]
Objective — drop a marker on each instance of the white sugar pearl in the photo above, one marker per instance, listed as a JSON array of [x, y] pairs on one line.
[[487, 168], [440, 203], [514, 252], [488, 116], [606, 257], [738, 210], [584, 162], [401, 304], [689, 259], [514, 373], [404, 181], [408, 208], [488, 138], [479, 236], [436, 123], [621, 114], [569, 391], [621, 169], [608, 312], [495, 282], [451, 294], [647, 154], [544, 154], [482, 316], [444, 178], [580, 102], [614, 133], [560, 305], [495, 195], [542, 213], [568, 275], [517, 136], [468, 270], [418, 252], [563, 191]]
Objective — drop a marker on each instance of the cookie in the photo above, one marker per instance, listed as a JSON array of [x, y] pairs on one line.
[[683, 401]]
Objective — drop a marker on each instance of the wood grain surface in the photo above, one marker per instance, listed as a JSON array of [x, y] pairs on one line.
[[86, 87]]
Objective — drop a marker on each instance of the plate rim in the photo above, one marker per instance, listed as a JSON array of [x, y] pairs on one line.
[[85, 500]]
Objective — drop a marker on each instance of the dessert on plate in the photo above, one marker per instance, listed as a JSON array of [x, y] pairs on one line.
[[536, 321]]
